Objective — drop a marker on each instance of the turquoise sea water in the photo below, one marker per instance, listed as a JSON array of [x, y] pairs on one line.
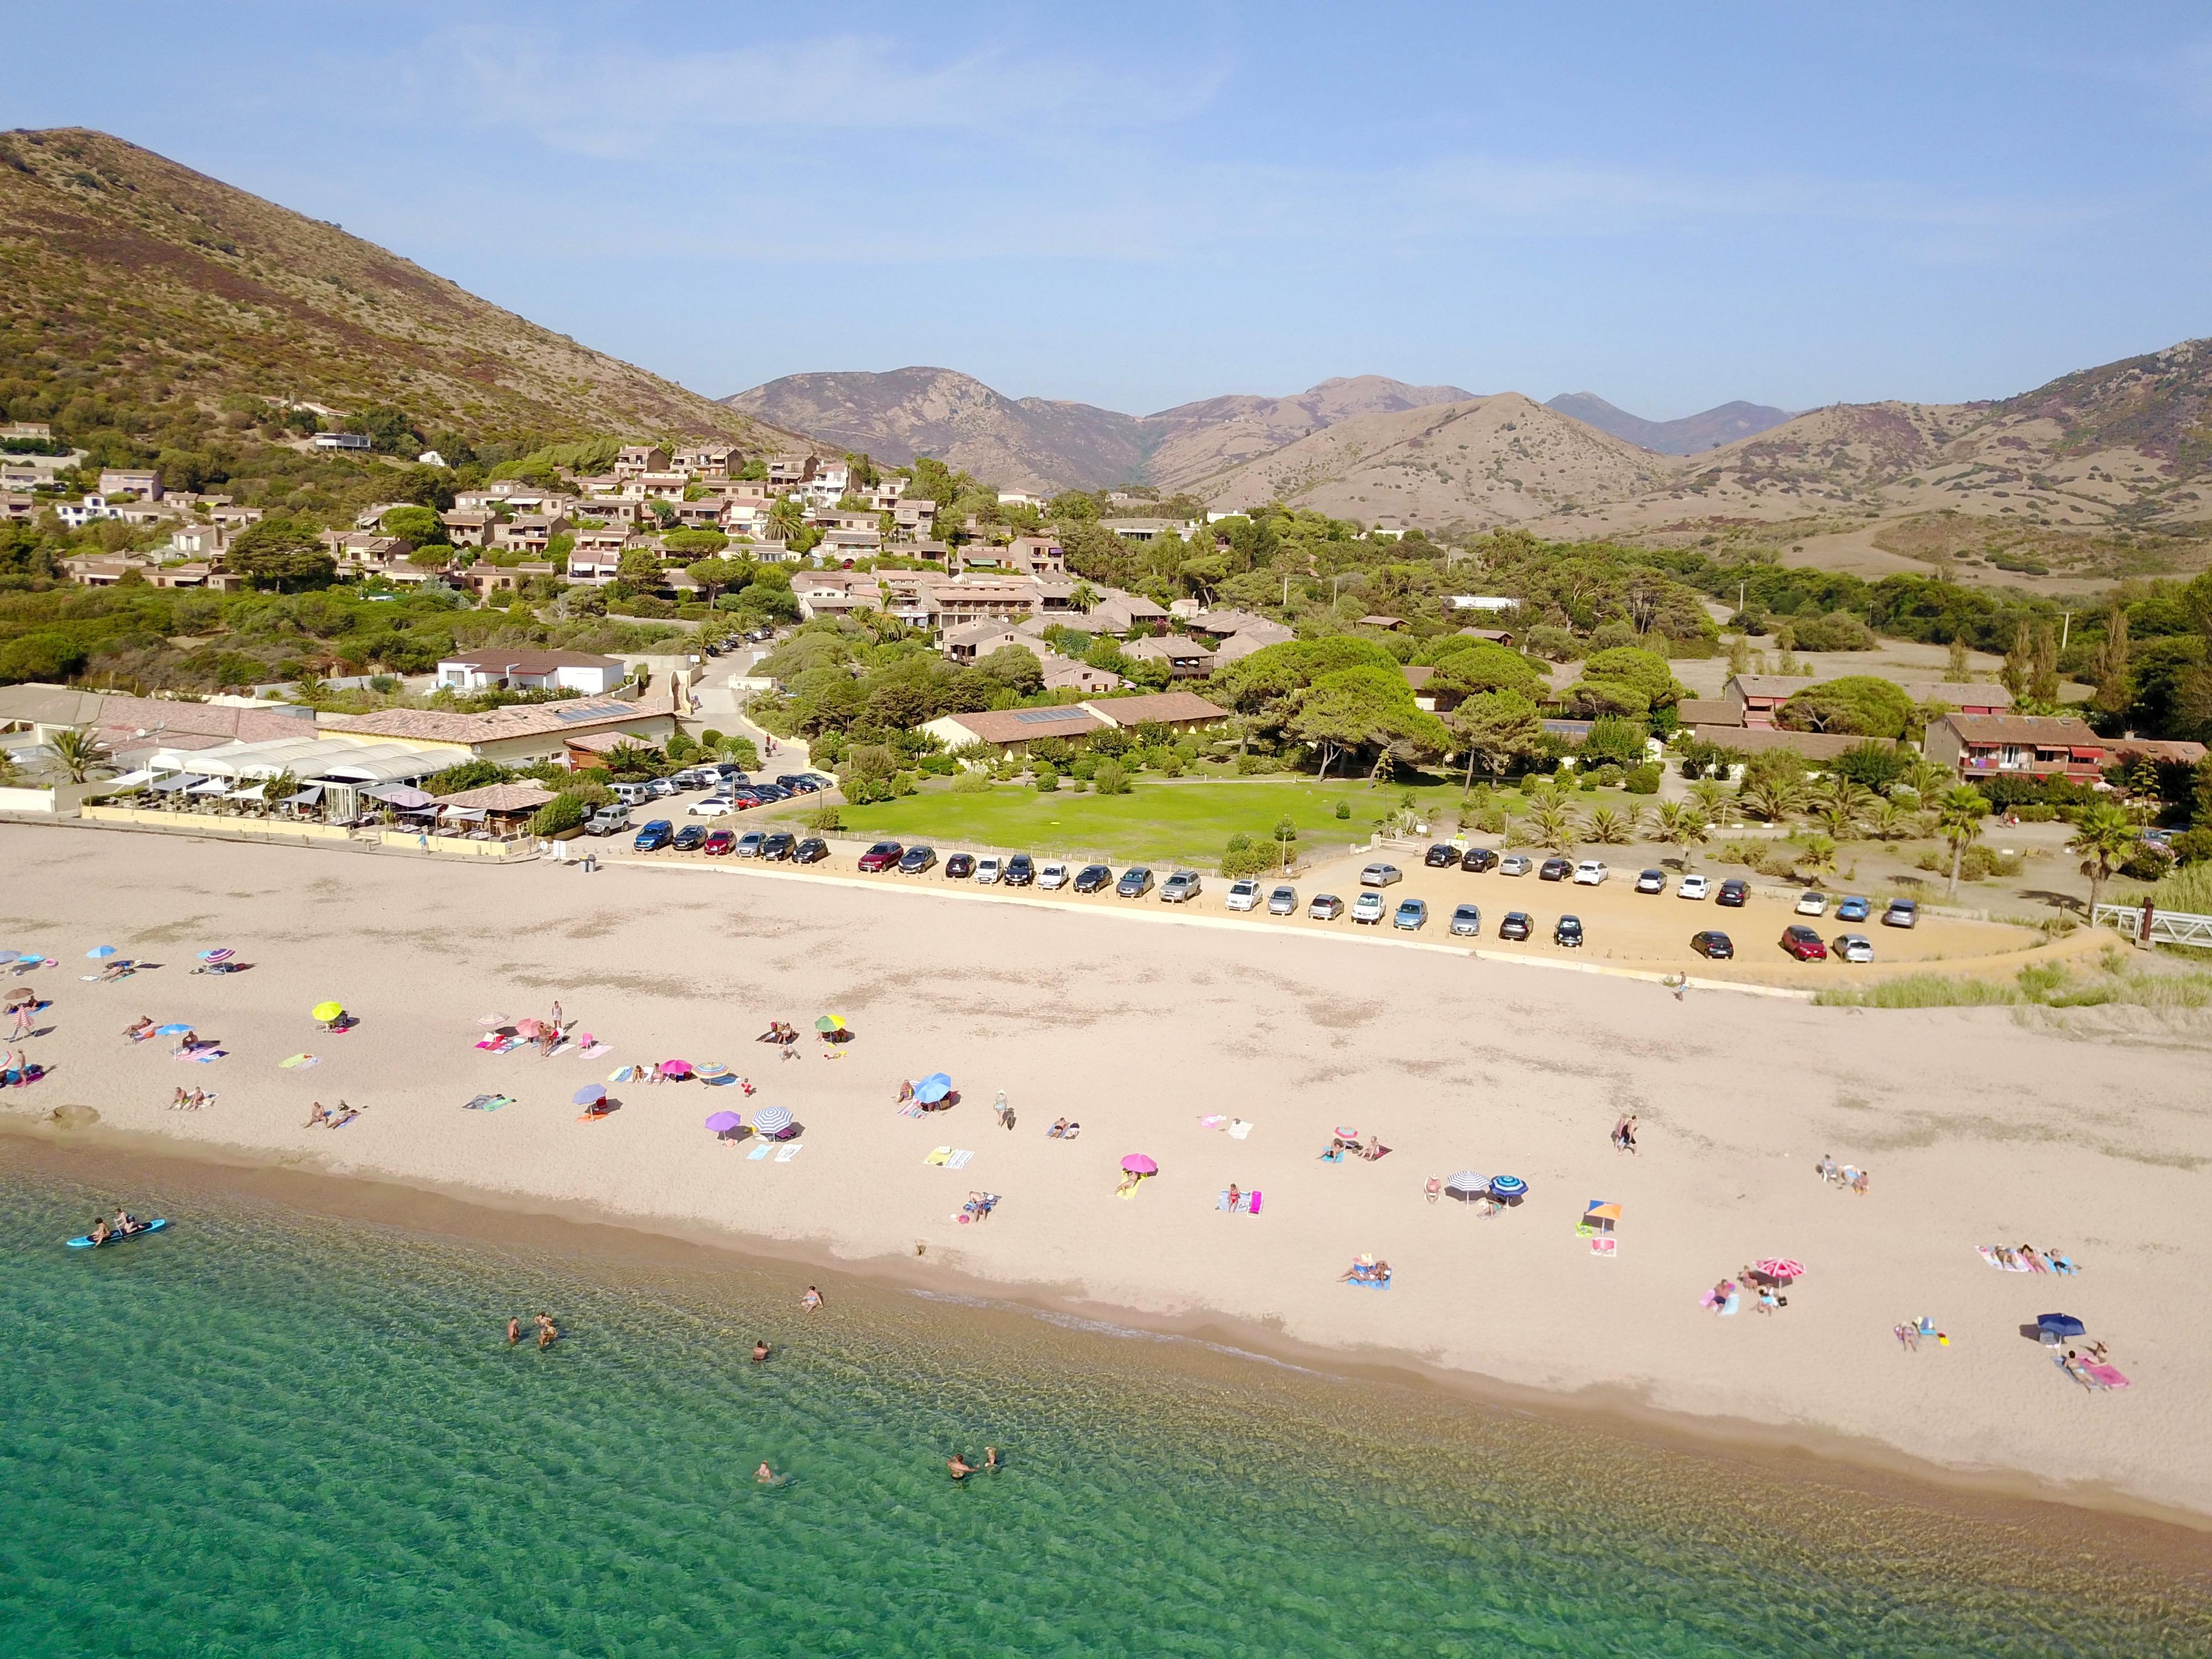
[[264, 1434]]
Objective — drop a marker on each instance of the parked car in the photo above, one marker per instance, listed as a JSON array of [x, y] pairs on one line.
[[1651, 881], [1243, 895], [688, 838], [882, 856], [778, 848], [749, 844], [1555, 870], [1283, 902], [1812, 904], [1052, 877], [1851, 947], [1516, 864], [630, 794], [692, 777], [1367, 908], [1902, 913], [1714, 944], [607, 821], [813, 850], [718, 842], [768, 793], [1802, 943], [1021, 870], [1854, 909], [1326, 906], [1092, 876], [1734, 893], [960, 867], [1135, 883], [1441, 857], [987, 871], [1466, 922], [1381, 875], [1568, 932], [1478, 860], [1411, 915], [798, 783], [914, 861], [1181, 887], [1591, 872], [1516, 926], [714, 806], [1693, 887], [655, 836], [663, 787]]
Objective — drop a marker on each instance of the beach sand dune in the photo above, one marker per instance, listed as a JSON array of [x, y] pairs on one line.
[[1978, 1129]]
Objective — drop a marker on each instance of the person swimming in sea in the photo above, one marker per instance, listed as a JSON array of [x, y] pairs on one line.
[[960, 1466], [765, 1475], [760, 1351], [514, 1330], [991, 1458], [547, 1332]]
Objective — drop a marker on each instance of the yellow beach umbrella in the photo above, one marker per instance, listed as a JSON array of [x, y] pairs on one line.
[[327, 1011]]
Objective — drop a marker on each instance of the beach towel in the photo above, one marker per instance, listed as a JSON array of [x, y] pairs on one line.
[[912, 1109], [486, 1103], [593, 1049], [2108, 1376], [1238, 1128], [760, 1151], [1212, 1120], [301, 1059], [1602, 1246], [1729, 1307], [1369, 1283], [938, 1156], [205, 1055], [507, 1045], [1221, 1200], [786, 1154], [1989, 1254], [958, 1160], [488, 1042]]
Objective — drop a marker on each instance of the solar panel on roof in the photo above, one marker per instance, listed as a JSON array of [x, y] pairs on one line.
[[588, 713], [1036, 716]]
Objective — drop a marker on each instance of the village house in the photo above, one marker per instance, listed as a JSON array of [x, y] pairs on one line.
[[1185, 660], [529, 532], [850, 545], [1179, 711], [146, 485], [655, 486], [972, 641], [340, 440], [1012, 731], [515, 735], [2015, 745], [632, 460], [1124, 613], [593, 567], [531, 670], [788, 473], [468, 529], [827, 484], [1148, 530], [1021, 498], [705, 461], [913, 516], [1065, 674], [618, 510], [78, 514], [130, 727]]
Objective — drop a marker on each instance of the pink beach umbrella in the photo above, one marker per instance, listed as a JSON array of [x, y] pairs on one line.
[[1138, 1164], [675, 1068], [1344, 1132], [1783, 1267], [529, 1028]]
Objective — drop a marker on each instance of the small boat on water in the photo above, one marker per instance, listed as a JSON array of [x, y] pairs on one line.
[[154, 1226]]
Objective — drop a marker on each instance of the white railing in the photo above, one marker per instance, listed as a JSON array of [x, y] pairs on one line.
[[2167, 926]]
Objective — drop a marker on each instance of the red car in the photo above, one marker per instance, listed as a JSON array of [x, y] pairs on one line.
[[718, 842], [1804, 943], [882, 856]]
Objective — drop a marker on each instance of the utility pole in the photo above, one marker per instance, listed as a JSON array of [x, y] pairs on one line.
[[2065, 629]]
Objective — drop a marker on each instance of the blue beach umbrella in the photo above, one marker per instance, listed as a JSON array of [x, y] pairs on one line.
[[2059, 1325], [590, 1095], [932, 1088], [6, 957], [1507, 1186], [771, 1120], [99, 951]]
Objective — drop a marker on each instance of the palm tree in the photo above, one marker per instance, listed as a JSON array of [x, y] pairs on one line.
[[77, 754], [1889, 820], [1554, 826], [1958, 814], [1083, 596], [1608, 827], [279, 786], [2106, 838], [1682, 825], [1708, 794], [311, 689], [1924, 778], [786, 517], [1773, 799], [1815, 853], [1837, 817]]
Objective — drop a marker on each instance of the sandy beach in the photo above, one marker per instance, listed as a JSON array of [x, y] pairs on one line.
[[1977, 1129]]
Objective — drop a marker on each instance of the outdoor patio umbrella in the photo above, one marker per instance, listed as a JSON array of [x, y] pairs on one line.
[[771, 1120], [1344, 1132], [713, 1068], [2057, 1324], [6, 957], [723, 1122], [1600, 1215], [1138, 1164], [327, 1011], [1507, 1186], [590, 1095], [1782, 1267], [932, 1088]]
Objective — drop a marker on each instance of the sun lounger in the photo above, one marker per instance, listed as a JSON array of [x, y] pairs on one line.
[[1252, 1202], [938, 1156], [784, 1155], [958, 1160]]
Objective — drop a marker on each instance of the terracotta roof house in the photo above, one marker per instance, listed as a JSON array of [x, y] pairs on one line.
[[2016, 746], [1186, 660], [1961, 696], [2169, 751], [1756, 696], [973, 642], [1709, 711], [505, 798], [140, 724], [1011, 731], [522, 731], [1186, 711], [1065, 674]]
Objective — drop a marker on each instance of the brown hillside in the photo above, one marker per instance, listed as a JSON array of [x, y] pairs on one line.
[[120, 262]]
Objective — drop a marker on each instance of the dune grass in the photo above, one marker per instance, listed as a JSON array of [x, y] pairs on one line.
[[2046, 985]]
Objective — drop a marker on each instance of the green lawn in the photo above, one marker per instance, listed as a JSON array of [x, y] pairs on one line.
[[1160, 820]]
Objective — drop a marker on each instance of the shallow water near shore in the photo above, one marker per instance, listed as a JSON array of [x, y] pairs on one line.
[[271, 1432]]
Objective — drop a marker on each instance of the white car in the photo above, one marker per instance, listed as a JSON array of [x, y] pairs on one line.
[[1851, 947], [988, 871], [1368, 908], [1590, 873], [1052, 877], [1693, 887], [713, 807], [1243, 895], [1812, 904]]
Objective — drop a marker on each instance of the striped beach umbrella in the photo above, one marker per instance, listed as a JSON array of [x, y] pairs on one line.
[[1783, 1267], [1466, 1182], [771, 1120], [1507, 1186]]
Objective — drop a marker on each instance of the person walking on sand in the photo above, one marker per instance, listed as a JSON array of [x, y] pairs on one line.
[[514, 1330], [25, 1013]]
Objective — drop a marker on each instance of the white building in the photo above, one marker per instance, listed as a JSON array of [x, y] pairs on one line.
[[532, 670]]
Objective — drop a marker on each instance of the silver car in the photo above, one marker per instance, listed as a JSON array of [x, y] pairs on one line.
[[1180, 888], [1283, 902], [1381, 875], [1851, 947]]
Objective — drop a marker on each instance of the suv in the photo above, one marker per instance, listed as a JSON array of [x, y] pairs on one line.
[[1092, 876], [1516, 925], [1283, 902], [1182, 887], [960, 867], [914, 861], [1326, 906], [1802, 943], [654, 836], [1591, 872], [714, 806], [1651, 881], [631, 794], [1021, 870], [1368, 908], [1136, 882], [607, 821], [1555, 870], [1466, 922], [1441, 857], [1734, 893], [1412, 915], [1381, 875], [987, 871], [1052, 877], [1569, 933], [778, 847], [1478, 860], [882, 856], [1901, 913], [1243, 895]]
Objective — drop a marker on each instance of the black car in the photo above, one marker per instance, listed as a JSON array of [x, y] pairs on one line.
[[813, 850], [1092, 876], [1516, 925], [778, 847], [769, 791], [917, 859], [960, 867], [1478, 860], [1555, 870], [1135, 883], [688, 837], [1021, 870], [1714, 944], [1441, 857], [1569, 933], [797, 782], [1734, 893]]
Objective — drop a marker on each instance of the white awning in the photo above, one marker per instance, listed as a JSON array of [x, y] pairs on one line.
[[211, 786], [307, 796], [131, 780], [251, 792], [463, 815]]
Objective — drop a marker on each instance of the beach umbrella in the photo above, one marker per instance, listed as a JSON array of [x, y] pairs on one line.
[[491, 1020], [2059, 1325], [831, 1022], [171, 1030], [932, 1088], [1782, 1267], [1598, 1210], [1507, 1186], [713, 1068], [590, 1095], [529, 1028], [675, 1068], [771, 1120], [99, 951], [222, 953], [327, 1011], [1466, 1182], [1344, 1132], [1138, 1164], [6, 957], [723, 1122]]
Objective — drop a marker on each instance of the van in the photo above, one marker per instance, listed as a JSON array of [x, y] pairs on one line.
[[633, 794]]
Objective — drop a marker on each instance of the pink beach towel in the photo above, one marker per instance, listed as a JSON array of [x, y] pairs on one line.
[[1253, 1209], [2108, 1376]]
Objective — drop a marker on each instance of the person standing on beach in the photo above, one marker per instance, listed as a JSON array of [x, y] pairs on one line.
[[25, 1013]]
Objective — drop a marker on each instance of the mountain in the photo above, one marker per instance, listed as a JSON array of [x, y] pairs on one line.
[[1690, 436], [1478, 464], [1036, 443], [174, 285]]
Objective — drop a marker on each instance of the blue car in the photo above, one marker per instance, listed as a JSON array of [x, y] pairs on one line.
[[1854, 909], [654, 836], [1412, 915]]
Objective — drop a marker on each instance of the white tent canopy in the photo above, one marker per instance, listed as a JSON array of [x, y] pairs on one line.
[[309, 759]]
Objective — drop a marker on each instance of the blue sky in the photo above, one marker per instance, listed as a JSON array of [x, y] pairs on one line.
[[1137, 206]]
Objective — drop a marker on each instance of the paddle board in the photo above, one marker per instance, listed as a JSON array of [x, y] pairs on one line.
[[154, 1226]]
